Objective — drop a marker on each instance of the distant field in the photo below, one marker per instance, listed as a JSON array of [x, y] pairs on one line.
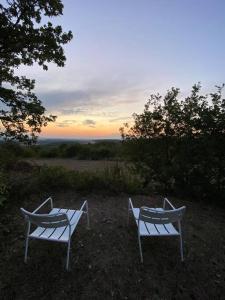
[[73, 164]]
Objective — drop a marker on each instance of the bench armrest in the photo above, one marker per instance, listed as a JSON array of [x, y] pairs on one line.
[[130, 205], [42, 204], [166, 201], [84, 209], [85, 204]]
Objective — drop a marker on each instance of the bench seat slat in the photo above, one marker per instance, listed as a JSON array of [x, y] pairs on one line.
[[75, 219], [59, 231], [144, 229], [161, 229], [152, 229], [172, 230]]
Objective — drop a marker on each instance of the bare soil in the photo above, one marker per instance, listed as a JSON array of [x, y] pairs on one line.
[[105, 261]]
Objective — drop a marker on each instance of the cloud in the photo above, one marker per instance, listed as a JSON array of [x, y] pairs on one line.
[[93, 98], [119, 119], [58, 99], [65, 123], [74, 111], [89, 112], [89, 123], [61, 125]]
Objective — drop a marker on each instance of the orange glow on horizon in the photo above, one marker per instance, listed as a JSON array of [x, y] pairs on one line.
[[81, 131]]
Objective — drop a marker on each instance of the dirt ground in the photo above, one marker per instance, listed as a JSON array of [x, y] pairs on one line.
[[105, 261]]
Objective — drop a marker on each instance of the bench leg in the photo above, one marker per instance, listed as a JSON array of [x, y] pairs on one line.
[[27, 241], [181, 248], [181, 242], [68, 256], [128, 216], [26, 249], [140, 248], [88, 220]]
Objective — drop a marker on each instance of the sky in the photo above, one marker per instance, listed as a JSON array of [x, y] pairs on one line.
[[121, 53]]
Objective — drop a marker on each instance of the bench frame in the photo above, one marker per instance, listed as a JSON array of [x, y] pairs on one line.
[[158, 216], [54, 220]]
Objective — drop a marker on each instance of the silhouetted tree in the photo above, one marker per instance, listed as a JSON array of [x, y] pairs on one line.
[[25, 40]]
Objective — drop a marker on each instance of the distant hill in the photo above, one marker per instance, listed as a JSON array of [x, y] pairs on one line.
[[56, 141], [43, 141]]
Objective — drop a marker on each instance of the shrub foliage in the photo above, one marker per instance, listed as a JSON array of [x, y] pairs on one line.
[[178, 145]]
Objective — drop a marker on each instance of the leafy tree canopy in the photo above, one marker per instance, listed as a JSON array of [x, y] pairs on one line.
[[25, 40], [194, 116]]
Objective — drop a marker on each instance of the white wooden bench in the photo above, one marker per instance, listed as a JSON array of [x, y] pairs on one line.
[[57, 226], [157, 222]]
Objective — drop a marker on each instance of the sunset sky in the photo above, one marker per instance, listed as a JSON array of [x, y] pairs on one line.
[[124, 50]]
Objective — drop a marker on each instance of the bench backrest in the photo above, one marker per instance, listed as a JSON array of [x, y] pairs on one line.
[[46, 220], [154, 216]]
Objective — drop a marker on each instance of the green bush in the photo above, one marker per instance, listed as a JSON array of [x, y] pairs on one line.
[[54, 177], [112, 180], [48, 179], [23, 185], [9, 153], [178, 146]]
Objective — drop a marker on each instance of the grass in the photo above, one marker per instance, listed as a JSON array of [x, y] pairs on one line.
[[105, 260], [108, 178]]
